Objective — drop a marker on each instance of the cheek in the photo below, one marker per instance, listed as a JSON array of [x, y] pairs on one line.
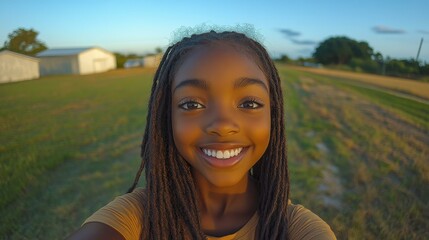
[[259, 130], [185, 132], [263, 132]]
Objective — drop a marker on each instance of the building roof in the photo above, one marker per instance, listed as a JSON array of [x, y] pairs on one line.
[[4, 52], [62, 52]]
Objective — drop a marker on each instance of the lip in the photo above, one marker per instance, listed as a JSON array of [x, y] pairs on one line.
[[223, 163], [222, 146]]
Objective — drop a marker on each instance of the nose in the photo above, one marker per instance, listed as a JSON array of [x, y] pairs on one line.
[[222, 123]]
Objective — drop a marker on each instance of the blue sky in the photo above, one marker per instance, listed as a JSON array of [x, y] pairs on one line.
[[393, 27]]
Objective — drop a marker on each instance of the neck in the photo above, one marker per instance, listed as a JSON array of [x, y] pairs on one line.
[[220, 201]]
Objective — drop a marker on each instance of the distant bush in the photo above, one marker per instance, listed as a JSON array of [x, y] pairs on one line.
[[122, 58], [403, 67], [283, 59], [364, 65]]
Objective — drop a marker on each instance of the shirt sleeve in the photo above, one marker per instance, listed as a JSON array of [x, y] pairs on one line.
[[124, 214], [305, 225]]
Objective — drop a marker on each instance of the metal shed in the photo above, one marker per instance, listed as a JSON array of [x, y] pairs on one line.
[[76, 61], [17, 67]]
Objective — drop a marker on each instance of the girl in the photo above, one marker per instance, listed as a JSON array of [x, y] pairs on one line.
[[214, 152]]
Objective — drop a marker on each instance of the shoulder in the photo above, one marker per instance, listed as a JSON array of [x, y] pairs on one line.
[[304, 224], [124, 214]]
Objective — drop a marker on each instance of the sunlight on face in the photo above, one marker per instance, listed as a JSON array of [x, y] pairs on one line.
[[220, 113]]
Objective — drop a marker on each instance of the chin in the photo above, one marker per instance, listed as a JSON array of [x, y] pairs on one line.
[[225, 181]]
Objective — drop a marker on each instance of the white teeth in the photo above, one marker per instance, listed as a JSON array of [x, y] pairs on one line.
[[222, 154], [231, 153]]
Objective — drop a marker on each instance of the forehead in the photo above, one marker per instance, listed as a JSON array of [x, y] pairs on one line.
[[220, 63]]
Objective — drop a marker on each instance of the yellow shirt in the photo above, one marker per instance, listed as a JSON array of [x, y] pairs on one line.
[[125, 214]]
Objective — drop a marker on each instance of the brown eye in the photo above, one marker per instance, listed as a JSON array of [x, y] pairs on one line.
[[190, 105], [251, 104]]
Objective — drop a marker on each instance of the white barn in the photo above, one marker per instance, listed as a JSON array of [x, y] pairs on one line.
[[76, 61], [17, 67]]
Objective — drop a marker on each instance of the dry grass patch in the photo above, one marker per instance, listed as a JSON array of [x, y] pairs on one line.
[[420, 89]]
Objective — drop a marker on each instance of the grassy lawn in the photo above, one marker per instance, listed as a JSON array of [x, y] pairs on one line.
[[66, 140], [70, 144], [358, 157]]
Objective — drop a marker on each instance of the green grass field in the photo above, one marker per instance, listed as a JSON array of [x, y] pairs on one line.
[[70, 144]]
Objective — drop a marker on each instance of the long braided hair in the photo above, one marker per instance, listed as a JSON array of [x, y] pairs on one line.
[[171, 205]]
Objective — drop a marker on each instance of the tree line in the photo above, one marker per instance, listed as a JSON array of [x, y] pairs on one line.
[[336, 52], [345, 53]]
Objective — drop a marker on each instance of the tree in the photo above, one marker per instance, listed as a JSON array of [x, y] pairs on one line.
[[341, 50], [158, 50], [24, 41], [122, 58], [284, 58]]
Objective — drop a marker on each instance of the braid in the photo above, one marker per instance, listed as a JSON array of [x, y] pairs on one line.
[[148, 118], [171, 210]]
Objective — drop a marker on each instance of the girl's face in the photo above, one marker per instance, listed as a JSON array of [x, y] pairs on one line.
[[220, 113]]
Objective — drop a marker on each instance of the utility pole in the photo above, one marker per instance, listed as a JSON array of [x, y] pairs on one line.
[[418, 52]]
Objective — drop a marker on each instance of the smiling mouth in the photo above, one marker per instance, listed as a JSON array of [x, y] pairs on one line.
[[223, 158], [222, 154]]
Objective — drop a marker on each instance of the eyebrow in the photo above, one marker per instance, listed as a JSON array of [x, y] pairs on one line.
[[239, 83], [193, 83], [244, 82]]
